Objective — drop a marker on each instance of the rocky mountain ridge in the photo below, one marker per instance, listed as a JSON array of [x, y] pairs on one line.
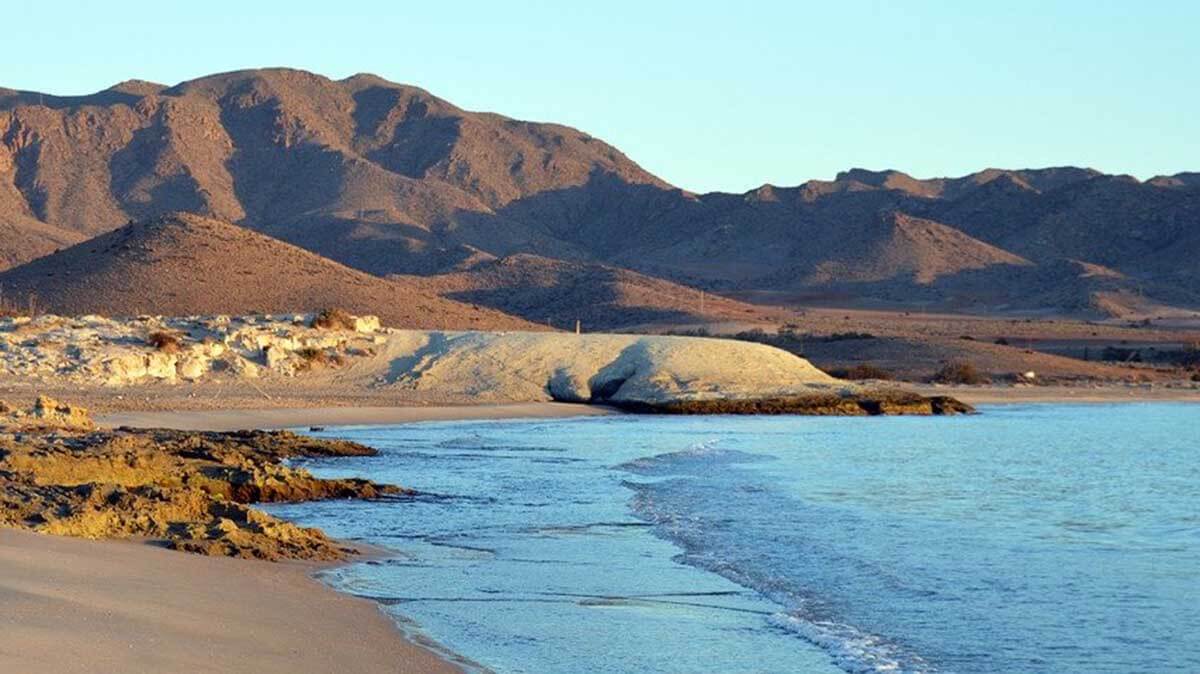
[[389, 179]]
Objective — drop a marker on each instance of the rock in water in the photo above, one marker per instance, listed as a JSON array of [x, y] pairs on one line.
[[193, 491]]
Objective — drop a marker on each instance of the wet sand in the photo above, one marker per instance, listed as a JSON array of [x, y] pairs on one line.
[[72, 605]]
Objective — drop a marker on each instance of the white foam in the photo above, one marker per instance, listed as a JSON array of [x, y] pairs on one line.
[[851, 649]]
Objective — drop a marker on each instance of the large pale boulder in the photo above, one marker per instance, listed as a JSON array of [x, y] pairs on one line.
[[616, 368], [366, 323], [160, 365], [124, 368], [193, 367]]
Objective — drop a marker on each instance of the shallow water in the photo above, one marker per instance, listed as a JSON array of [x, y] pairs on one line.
[[1041, 538]]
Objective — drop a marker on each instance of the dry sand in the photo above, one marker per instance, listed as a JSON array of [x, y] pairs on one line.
[[1112, 393], [318, 414], [238, 419], [73, 605]]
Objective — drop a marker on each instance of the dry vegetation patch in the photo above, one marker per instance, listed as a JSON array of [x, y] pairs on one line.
[[867, 403], [334, 319], [162, 340], [862, 372], [959, 372]]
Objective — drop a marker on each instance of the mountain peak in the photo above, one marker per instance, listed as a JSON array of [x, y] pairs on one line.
[[181, 263], [137, 87]]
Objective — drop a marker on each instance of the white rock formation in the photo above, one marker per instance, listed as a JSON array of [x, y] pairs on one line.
[[508, 366], [94, 349], [577, 368]]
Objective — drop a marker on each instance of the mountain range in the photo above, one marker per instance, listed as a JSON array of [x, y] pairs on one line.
[[390, 182]]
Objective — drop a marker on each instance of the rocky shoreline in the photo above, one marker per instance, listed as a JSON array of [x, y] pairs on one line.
[[190, 491], [195, 491], [872, 403]]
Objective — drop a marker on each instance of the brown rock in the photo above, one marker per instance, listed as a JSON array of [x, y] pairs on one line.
[[192, 491]]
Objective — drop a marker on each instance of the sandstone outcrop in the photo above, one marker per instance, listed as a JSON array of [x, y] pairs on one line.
[[191, 491], [119, 352], [655, 373], [47, 413], [641, 373]]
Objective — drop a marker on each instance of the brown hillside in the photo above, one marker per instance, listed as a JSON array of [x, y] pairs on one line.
[[26, 239], [389, 179], [380, 175], [901, 246], [183, 264], [558, 293]]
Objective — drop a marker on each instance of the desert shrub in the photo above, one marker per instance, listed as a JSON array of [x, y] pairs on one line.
[[958, 372], [10, 308], [846, 336], [162, 340], [1191, 355], [754, 335], [313, 356], [786, 338], [862, 371], [691, 332], [1113, 353], [333, 319]]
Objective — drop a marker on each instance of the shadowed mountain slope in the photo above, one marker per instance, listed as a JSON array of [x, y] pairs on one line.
[[389, 179], [185, 264], [601, 297]]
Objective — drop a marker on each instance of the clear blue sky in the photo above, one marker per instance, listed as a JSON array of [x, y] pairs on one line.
[[708, 95]]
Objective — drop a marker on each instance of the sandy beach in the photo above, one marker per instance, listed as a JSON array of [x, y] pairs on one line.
[[77, 605], [318, 413], [1108, 393], [237, 419], [74, 605]]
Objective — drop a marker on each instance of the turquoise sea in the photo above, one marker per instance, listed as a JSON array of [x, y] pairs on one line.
[[1028, 538]]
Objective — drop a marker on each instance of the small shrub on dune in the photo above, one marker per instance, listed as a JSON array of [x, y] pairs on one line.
[[958, 372], [848, 336], [1191, 355], [333, 319], [12, 309], [862, 372], [313, 357], [167, 342], [7, 310]]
